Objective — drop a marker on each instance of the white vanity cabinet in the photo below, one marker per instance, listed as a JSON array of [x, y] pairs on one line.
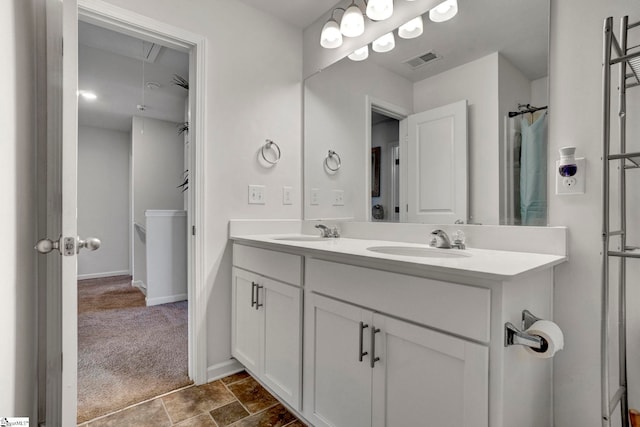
[[371, 369], [267, 318], [364, 368]]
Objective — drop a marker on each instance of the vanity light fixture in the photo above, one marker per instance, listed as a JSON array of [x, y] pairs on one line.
[[331, 37], [360, 54], [352, 24], [411, 29], [379, 10], [444, 11], [384, 43]]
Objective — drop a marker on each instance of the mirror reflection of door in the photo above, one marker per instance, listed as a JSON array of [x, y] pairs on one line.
[[385, 165]]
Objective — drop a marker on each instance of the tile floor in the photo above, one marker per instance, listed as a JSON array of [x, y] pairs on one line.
[[235, 401]]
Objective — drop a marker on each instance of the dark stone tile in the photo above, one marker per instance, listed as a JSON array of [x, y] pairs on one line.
[[296, 423], [229, 414], [252, 395], [203, 420], [192, 401], [148, 414], [276, 416], [235, 377]]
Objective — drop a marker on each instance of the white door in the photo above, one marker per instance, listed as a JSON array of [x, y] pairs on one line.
[[339, 393], [282, 339], [437, 165], [427, 378], [61, 280], [247, 320]]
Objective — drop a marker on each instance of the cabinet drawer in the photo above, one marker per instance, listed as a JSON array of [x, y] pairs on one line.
[[459, 309], [276, 265]]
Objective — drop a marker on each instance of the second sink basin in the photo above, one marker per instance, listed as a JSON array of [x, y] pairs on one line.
[[419, 251]]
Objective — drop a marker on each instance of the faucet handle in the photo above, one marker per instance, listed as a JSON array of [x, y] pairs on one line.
[[458, 240], [335, 232]]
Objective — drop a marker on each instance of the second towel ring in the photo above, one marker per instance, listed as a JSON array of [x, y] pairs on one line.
[[267, 146], [331, 155]]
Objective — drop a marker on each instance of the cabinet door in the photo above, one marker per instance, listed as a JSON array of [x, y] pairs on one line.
[[246, 320], [427, 378], [337, 384], [281, 369]]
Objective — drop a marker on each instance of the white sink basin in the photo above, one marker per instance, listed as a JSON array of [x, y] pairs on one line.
[[419, 251], [301, 238]]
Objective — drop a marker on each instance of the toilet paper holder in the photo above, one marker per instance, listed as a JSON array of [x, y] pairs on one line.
[[515, 336]]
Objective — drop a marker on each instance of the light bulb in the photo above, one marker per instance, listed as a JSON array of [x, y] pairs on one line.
[[352, 24], [330, 37], [360, 54], [379, 10], [384, 43], [444, 11], [411, 29]]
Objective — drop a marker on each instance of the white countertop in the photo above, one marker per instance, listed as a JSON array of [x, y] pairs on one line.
[[482, 263]]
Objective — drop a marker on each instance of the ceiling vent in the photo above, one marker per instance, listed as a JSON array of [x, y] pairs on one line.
[[421, 60]]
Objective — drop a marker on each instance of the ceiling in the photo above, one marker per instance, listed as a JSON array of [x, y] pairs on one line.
[[117, 68], [300, 13]]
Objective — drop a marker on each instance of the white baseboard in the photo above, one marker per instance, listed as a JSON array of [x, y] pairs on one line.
[[105, 274], [224, 369], [166, 300], [140, 285]]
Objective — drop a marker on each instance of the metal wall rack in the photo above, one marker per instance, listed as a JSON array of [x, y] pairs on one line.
[[616, 52]]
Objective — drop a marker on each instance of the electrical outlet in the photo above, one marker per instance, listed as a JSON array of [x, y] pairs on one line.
[[571, 184], [256, 194], [338, 198], [287, 196], [315, 196]]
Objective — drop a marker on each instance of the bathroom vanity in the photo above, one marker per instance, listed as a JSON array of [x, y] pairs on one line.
[[391, 333]]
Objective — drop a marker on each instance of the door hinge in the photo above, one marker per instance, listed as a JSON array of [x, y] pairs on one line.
[[193, 230]]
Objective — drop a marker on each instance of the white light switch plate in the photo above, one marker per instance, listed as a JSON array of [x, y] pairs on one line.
[[338, 197], [571, 184], [287, 196], [315, 196], [256, 195]]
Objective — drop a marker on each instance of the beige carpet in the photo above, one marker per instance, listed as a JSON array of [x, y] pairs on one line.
[[127, 352]]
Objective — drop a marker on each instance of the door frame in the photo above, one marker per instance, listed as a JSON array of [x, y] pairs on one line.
[[124, 21], [395, 112]]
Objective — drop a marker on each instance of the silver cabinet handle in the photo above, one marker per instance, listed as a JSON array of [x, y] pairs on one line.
[[374, 359], [361, 354], [258, 305], [254, 300]]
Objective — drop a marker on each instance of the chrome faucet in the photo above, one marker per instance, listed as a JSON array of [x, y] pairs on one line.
[[441, 240], [328, 232]]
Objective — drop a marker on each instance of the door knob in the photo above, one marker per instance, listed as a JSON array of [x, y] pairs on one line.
[[90, 243], [44, 246]]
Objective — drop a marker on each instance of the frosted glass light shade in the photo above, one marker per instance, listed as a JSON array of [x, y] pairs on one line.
[[331, 37], [384, 43], [360, 54], [444, 11], [411, 29], [379, 10], [352, 24]]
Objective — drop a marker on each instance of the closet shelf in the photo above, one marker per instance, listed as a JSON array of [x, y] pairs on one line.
[[632, 159]]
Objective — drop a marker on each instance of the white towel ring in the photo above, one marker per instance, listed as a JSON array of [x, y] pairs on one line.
[[331, 155], [268, 145]]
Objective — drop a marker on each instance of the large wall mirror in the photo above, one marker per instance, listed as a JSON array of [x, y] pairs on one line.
[[440, 129]]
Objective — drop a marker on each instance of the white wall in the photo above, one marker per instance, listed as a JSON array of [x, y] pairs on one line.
[[253, 92], [477, 82], [103, 200], [540, 92], [17, 216], [335, 100], [575, 113], [157, 167]]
